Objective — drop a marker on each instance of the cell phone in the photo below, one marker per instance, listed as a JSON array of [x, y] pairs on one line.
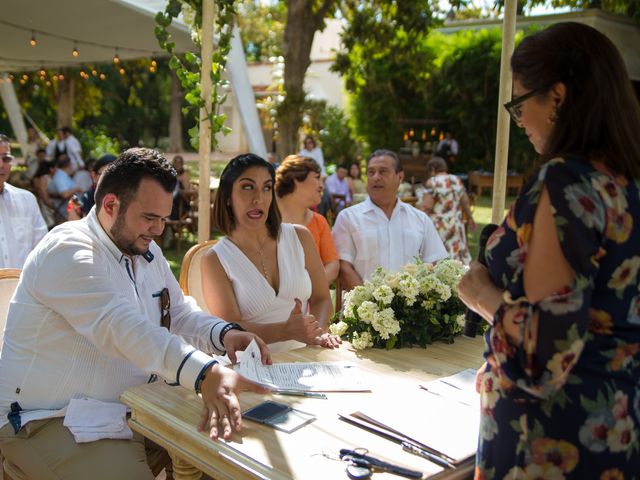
[[278, 415]]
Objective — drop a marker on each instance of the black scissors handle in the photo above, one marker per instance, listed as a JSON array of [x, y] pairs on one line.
[[366, 461]]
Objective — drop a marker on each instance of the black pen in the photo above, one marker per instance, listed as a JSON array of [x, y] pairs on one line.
[[432, 457]]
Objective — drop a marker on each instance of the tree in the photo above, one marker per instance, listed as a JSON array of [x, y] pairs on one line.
[[386, 64], [304, 19], [262, 29]]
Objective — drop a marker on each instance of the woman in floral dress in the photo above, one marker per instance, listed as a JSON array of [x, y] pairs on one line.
[[445, 200], [560, 389]]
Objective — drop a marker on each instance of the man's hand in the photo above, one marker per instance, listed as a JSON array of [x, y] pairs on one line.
[[238, 340], [302, 326], [221, 410]]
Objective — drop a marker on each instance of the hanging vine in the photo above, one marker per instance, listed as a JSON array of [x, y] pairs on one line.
[[189, 66]]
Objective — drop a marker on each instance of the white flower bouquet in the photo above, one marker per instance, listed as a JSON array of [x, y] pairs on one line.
[[415, 306]]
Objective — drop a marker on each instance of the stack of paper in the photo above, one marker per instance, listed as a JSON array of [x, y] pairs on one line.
[[90, 420]]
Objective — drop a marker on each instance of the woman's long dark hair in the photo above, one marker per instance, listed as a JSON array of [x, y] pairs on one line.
[[223, 219], [600, 116]]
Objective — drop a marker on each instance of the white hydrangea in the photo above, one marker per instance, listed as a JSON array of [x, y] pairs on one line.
[[444, 291], [408, 288], [353, 298], [392, 279], [385, 323], [411, 268], [460, 320], [340, 328], [383, 294], [362, 340], [367, 310], [449, 271], [377, 277]]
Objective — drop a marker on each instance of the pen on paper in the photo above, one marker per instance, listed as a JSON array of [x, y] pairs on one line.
[[432, 457], [295, 393]]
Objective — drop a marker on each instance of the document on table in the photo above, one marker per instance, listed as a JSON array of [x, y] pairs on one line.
[[460, 387], [311, 377]]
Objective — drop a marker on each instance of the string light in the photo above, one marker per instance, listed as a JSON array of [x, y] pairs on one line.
[[42, 72], [102, 76], [153, 62], [48, 83], [75, 51], [122, 71], [94, 72], [25, 77], [61, 77], [33, 42], [116, 58]]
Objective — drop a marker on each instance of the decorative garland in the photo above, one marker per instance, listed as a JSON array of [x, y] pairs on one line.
[[188, 68]]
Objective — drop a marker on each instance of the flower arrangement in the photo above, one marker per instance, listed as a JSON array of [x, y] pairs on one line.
[[415, 306]]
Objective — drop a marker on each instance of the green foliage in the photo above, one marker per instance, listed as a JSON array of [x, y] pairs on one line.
[[262, 29], [96, 142], [189, 68], [330, 126], [385, 65]]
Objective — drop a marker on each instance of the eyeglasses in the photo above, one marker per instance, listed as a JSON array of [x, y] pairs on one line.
[[6, 158], [514, 107], [165, 306]]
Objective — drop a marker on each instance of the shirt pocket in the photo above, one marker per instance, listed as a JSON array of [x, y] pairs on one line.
[[412, 244], [366, 243], [22, 233]]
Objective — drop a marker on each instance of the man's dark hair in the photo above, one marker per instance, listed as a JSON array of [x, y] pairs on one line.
[[222, 218], [66, 129], [343, 165], [382, 152], [122, 177], [63, 161], [41, 150], [4, 138]]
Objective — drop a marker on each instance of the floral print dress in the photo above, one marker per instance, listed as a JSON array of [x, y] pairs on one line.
[[567, 405], [447, 191]]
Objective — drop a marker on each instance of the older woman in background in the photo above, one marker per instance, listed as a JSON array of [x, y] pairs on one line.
[[299, 187], [445, 199], [264, 275]]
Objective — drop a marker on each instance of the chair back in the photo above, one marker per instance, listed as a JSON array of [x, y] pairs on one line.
[[8, 282], [190, 277]]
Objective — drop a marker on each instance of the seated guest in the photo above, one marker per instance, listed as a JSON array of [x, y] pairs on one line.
[[382, 231], [337, 184], [445, 199], [40, 182], [357, 186], [21, 224], [79, 205], [183, 187], [265, 275], [98, 311], [299, 187], [62, 186]]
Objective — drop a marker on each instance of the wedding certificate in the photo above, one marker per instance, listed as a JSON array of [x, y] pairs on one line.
[[304, 377]]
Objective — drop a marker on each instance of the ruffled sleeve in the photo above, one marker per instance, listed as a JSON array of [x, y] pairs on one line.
[[540, 366]]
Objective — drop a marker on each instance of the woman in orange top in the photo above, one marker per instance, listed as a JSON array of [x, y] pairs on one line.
[[298, 188]]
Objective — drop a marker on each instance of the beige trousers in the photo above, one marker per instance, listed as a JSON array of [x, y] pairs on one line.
[[46, 450]]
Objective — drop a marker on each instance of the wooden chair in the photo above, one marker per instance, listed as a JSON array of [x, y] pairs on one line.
[[190, 278], [187, 221], [411, 200]]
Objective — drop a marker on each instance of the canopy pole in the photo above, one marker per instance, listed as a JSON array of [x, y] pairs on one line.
[[204, 151], [502, 134], [12, 106]]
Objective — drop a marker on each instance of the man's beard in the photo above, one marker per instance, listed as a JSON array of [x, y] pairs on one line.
[[126, 245]]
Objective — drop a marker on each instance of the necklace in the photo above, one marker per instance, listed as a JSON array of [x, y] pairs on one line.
[[260, 251]]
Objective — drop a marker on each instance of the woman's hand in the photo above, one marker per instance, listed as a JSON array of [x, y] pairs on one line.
[[328, 341], [302, 326], [480, 376], [478, 292]]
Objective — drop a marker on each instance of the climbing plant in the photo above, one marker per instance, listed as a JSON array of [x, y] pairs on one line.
[[189, 66]]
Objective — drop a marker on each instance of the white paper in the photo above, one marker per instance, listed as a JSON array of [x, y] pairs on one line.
[[460, 387], [319, 377]]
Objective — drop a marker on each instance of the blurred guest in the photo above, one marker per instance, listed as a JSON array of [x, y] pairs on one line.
[[445, 200], [310, 149], [68, 144], [181, 199], [21, 224], [34, 145], [448, 148], [80, 205], [299, 187], [357, 186], [383, 231], [560, 390], [337, 184], [62, 186], [40, 183], [264, 275]]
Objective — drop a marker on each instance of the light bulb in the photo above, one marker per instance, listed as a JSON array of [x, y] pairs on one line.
[[122, 72], [75, 51], [33, 42]]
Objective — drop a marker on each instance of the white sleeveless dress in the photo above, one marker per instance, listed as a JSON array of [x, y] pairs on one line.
[[257, 300]]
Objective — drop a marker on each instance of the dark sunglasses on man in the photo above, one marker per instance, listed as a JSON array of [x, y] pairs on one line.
[[6, 158]]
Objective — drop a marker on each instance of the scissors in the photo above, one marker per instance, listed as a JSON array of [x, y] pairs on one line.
[[361, 466]]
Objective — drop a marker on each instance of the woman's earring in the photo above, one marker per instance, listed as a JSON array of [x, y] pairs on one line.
[[553, 117]]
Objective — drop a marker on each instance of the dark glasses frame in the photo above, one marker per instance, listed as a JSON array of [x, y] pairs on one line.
[[513, 106], [7, 158], [165, 307]]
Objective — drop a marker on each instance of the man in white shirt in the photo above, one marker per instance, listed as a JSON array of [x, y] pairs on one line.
[[97, 311], [21, 223], [382, 231], [337, 184], [69, 144], [62, 186]]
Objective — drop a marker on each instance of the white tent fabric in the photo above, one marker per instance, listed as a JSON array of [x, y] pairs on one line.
[[100, 26]]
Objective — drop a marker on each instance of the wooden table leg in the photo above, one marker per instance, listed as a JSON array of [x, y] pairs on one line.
[[183, 470]]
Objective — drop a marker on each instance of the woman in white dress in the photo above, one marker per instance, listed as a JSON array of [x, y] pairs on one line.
[[264, 275]]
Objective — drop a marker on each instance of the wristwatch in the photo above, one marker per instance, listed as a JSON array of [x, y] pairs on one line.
[[226, 328]]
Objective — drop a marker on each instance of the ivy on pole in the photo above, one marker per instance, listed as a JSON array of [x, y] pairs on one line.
[[188, 67]]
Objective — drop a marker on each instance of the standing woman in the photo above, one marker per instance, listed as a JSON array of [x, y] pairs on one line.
[[445, 200], [299, 188], [560, 392], [264, 275], [312, 150], [357, 187]]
